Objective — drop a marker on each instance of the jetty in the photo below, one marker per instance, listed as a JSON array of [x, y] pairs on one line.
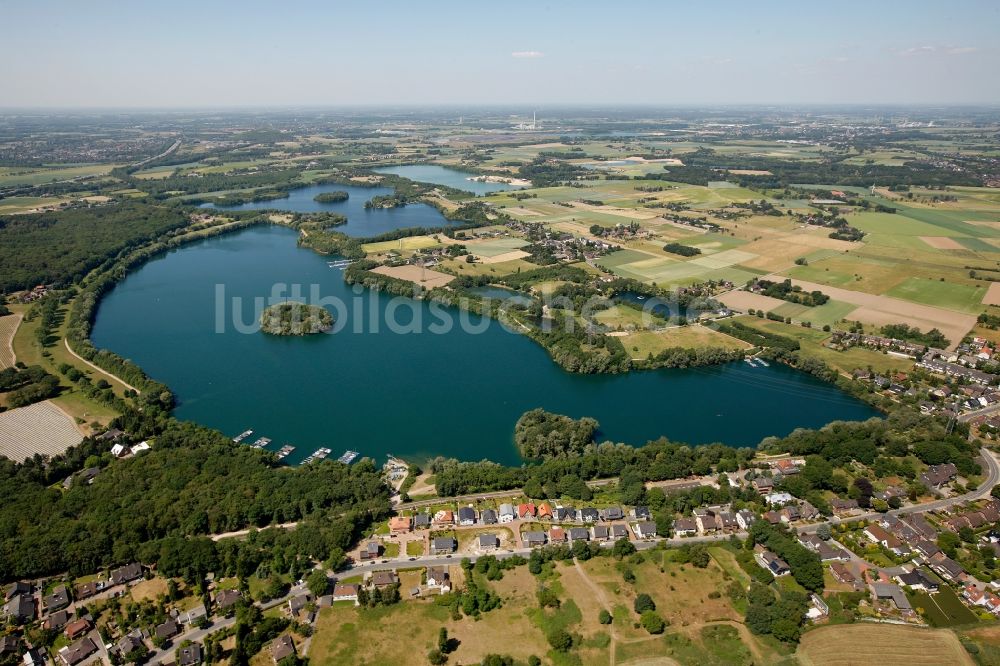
[[318, 454], [243, 435], [763, 362], [340, 263], [348, 457], [285, 451], [261, 443]]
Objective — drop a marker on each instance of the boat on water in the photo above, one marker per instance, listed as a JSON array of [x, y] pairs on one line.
[[348, 457], [285, 451], [749, 361], [243, 435], [261, 443], [763, 362]]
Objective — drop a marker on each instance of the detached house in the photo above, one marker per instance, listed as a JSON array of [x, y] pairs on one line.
[[466, 516], [506, 513]]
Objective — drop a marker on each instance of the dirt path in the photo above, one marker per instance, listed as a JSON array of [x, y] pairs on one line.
[[599, 593], [94, 367], [8, 327]]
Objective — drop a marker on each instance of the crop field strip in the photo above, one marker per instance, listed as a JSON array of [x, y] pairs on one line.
[[40, 428], [8, 327]]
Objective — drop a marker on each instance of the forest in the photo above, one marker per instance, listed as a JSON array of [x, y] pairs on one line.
[[194, 481], [61, 247]]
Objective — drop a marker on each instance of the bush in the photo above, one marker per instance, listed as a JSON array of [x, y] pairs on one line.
[[652, 622], [644, 603], [604, 617]]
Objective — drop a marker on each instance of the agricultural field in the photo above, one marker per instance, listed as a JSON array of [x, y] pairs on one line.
[[10, 176], [884, 644], [8, 326], [41, 428], [642, 343]]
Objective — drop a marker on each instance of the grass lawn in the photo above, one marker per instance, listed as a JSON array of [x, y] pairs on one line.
[[943, 609], [642, 343], [391, 549], [959, 297], [414, 548], [864, 643], [403, 244]]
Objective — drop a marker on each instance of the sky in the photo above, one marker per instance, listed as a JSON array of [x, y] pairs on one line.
[[222, 54]]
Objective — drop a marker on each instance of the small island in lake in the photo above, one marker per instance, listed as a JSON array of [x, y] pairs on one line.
[[293, 318], [331, 197]]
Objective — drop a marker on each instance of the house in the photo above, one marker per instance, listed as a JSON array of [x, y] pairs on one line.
[[10, 645], [727, 521], [443, 545], [226, 599], [126, 574], [891, 591], [645, 529], [685, 527], [787, 466], [438, 577], [807, 511], [763, 484], [612, 513], [828, 553], [488, 517], [421, 521], [917, 580], [506, 513], [705, 520], [842, 573], [601, 533], [778, 499], [557, 535], [936, 476], [926, 549], [444, 517], [76, 628], [346, 592], [618, 531], [770, 561], [525, 511], [193, 615], [189, 655], [532, 539], [920, 525], [73, 654], [167, 630], [544, 512], [282, 647], [87, 590], [382, 579], [34, 657], [20, 609], [56, 620], [400, 524], [15, 589], [841, 507], [488, 542], [120, 450], [879, 536], [57, 600], [86, 476], [641, 513], [466, 516], [565, 513], [127, 645], [772, 517], [745, 518], [947, 568], [589, 514], [579, 534], [297, 603], [789, 514], [370, 551]]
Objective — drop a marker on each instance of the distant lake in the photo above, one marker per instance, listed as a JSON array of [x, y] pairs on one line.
[[416, 395], [439, 175], [361, 221]]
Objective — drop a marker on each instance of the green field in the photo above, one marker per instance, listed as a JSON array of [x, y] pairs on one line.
[[496, 246], [37, 176], [941, 294], [943, 609]]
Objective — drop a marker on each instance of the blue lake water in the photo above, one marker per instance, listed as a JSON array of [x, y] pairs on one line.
[[439, 175], [418, 394]]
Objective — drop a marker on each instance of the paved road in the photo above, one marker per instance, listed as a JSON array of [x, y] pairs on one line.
[[982, 491], [985, 411]]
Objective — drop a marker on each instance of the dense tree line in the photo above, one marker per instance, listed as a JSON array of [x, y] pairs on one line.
[[62, 246], [786, 291], [194, 481], [932, 338], [804, 563], [541, 434], [756, 336], [681, 249]]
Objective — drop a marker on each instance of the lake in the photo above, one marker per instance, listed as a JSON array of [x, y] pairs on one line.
[[361, 222], [439, 175], [416, 395]]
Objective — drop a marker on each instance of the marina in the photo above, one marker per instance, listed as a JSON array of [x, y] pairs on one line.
[[348, 457], [319, 454], [285, 451], [261, 443], [243, 435]]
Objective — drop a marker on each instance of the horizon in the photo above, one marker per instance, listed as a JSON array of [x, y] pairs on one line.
[[308, 56]]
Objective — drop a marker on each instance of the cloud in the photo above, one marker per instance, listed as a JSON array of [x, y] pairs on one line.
[[946, 50], [959, 50], [527, 54], [917, 50]]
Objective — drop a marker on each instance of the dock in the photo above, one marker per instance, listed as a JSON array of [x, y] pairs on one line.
[[243, 435], [318, 454], [763, 362], [348, 457], [340, 263], [261, 443], [285, 451]]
